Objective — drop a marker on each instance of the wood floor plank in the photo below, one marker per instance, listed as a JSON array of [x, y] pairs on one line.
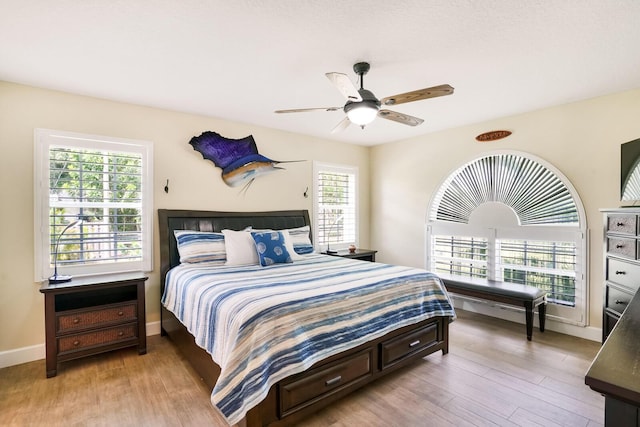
[[492, 376]]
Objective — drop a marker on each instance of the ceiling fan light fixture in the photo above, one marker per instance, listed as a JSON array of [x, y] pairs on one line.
[[361, 113]]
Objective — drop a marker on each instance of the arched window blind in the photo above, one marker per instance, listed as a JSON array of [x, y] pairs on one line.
[[533, 191], [545, 247]]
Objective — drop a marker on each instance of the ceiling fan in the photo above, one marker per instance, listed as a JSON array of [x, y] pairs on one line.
[[362, 106]]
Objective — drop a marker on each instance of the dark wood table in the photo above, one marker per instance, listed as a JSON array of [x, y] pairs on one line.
[[615, 372]]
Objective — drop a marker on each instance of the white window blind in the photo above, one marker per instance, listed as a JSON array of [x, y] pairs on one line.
[[336, 213], [533, 222], [104, 182]]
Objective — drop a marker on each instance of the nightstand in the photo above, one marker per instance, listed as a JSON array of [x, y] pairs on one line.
[[361, 254], [92, 315]]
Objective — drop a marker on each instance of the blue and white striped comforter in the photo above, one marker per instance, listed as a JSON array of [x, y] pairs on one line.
[[262, 324]]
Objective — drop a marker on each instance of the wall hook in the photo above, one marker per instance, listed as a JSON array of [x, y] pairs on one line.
[[166, 187], [305, 192]]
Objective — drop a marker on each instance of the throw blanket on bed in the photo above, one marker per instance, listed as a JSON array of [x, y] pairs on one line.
[[262, 324]]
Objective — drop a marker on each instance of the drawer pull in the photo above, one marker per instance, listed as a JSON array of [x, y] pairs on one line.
[[413, 344], [620, 224], [620, 302], [76, 321], [120, 313], [76, 343], [619, 246], [621, 272], [333, 381], [120, 333]]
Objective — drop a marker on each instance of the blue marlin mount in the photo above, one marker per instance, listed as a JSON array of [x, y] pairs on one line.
[[239, 159]]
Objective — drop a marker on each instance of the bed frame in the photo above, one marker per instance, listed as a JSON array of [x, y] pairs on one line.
[[293, 399]]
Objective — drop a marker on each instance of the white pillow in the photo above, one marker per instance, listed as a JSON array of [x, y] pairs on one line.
[[240, 248], [288, 243]]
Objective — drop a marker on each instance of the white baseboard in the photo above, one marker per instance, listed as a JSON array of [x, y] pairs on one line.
[[517, 316], [37, 352]]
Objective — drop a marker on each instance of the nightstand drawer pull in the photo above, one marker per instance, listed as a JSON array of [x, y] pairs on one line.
[[621, 302], [620, 224], [415, 343], [76, 343], [76, 321], [333, 381], [620, 272], [120, 313], [619, 246]]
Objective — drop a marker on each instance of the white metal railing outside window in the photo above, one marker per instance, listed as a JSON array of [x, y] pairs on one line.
[[105, 182], [335, 205]]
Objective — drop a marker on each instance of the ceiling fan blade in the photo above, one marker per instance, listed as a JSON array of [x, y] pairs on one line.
[[342, 125], [417, 95], [304, 110], [345, 86], [405, 119]]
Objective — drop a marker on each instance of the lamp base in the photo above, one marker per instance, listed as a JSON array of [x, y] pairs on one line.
[[59, 279], [330, 252]]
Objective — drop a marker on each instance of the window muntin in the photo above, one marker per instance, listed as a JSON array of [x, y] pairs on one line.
[[106, 183], [335, 205], [460, 256], [542, 210]]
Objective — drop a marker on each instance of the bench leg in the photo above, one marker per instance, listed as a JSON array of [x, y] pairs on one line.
[[528, 307], [542, 310]]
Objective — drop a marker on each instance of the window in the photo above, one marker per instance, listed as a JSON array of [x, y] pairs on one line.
[[511, 217], [103, 185], [335, 222]]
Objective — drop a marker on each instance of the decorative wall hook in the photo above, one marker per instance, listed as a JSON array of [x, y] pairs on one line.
[[166, 187], [305, 192]]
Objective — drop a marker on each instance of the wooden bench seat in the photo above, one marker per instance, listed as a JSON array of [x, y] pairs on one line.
[[525, 296]]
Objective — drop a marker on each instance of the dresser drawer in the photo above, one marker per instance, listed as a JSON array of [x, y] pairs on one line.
[[627, 248], [309, 388], [91, 318], [623, 273], [617, 300], [623, 224], [408, 344], [102, 337]]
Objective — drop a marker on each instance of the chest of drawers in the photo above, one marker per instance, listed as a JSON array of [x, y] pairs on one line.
[[89, 316], [622, 263]]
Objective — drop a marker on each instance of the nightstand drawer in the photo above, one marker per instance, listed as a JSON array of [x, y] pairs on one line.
[[623, 224], [95, 339], [623, 247], [105, 315]]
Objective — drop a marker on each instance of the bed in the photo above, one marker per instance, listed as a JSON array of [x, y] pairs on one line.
[[294, 369]]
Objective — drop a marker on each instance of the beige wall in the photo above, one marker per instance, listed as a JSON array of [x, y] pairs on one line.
[[194, 182], [581, 139]]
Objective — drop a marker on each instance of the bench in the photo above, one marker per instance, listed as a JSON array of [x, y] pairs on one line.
[[525, 296]]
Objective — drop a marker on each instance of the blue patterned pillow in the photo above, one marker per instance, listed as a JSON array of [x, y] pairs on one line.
[[200, 246], [271, 247]]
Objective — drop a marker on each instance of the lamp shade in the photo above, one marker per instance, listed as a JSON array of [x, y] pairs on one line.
[[362, 114]]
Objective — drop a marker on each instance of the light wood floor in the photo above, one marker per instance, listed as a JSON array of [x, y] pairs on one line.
[[491, 376]]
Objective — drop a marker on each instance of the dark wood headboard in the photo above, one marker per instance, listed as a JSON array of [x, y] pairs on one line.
[[170, 220]]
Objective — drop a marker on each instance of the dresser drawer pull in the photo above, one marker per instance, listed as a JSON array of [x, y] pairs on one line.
[[621, 272], [413, 344], [333, 381], [76, 343], [120, 313], [621, 302], [76, 320], [120, 333]]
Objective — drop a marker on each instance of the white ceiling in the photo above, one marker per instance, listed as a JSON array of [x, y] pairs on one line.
[[241, 60]]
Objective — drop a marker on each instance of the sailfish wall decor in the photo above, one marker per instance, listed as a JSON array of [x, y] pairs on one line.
[[238, 158]]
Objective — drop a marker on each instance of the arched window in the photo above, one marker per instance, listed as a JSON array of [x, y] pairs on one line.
[[512, 217]]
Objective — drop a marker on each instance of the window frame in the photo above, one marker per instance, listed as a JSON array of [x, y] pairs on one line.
[[577, 233], [44, 140], [322, 167]]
